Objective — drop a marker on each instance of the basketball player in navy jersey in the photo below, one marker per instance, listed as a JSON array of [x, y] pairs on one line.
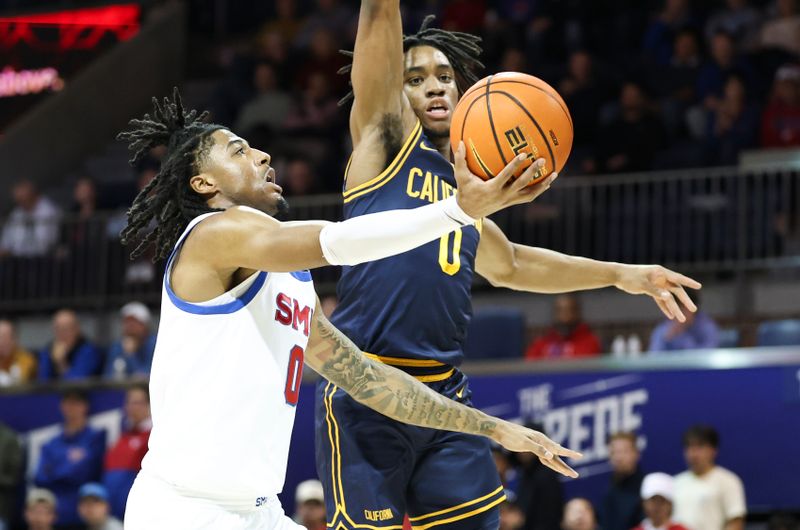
[[411, 310]]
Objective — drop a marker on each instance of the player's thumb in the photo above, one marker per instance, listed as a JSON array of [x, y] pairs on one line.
[[461, 170]]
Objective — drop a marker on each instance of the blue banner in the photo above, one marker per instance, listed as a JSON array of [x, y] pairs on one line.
[[756, 411]]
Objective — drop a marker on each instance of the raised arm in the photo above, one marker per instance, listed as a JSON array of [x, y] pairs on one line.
[[524, 268], [377, 74], [399, 396]]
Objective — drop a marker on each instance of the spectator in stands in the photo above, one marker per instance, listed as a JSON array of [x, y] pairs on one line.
[[32, 227], [124, 460], [733, 124], [300, 178], [94, 509], [579, 515], [273, 48], [17, 365], [316, 111], [81, 230], [269, 105], [540, 494], [699, 331], [11, 465], [738, 19], [568, 336], [40, 509], [676, 81], [621, 508], [657, 494], [513, 60], [133, 353], [707, 496], [70, 355], [331, 15], [723, 63], [310, 505], [783, 31], [286, 22], [630, 141], [583, 95], [323, 59], [780, 125], [676, 16], [73, 458]]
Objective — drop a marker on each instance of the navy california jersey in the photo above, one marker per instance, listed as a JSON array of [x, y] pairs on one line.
[[414, 305]]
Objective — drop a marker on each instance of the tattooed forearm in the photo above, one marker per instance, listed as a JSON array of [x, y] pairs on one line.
[[385, 389]]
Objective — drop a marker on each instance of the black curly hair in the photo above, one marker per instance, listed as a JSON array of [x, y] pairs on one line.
[[167, 199], [461, 49]]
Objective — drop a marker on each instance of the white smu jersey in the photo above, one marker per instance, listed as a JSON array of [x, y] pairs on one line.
[[224, 386]]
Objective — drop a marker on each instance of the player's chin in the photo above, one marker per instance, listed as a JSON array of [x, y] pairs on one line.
[[437, 128]]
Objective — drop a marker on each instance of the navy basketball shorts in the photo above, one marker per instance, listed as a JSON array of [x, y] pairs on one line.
[[375, 470]]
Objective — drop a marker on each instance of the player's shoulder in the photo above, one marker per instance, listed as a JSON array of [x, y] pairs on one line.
[[722, 474], [225, 224]]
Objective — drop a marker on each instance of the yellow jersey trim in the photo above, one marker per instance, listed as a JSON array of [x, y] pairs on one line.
[[402, 361], [387, 174], [462, 516], [336, 471], [434, 378], [457, 507]]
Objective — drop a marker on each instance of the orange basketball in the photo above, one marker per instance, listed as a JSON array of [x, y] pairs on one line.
[[506, 114]]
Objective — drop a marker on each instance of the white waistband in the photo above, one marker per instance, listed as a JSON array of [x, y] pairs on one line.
[[234, 503]]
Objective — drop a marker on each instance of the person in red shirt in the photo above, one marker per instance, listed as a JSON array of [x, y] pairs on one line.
[[124, 459], [780, 124], [568, 336], [657, 493]]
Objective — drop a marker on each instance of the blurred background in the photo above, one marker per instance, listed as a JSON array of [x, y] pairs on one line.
[[687, 154]]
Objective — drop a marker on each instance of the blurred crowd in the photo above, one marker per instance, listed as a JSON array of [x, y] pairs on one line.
[[706, 496], [667, 84]]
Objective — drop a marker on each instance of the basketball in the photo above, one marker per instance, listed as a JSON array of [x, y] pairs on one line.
[[509, 113]]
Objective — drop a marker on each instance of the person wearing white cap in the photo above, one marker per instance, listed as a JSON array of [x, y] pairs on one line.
[[657, 494], [40, 509], [310, 505], [133, 353]]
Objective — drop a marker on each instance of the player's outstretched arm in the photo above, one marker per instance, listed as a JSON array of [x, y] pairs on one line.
[[245, 238], [524, 268], [399, 396]]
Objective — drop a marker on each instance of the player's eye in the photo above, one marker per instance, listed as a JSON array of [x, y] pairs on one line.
[[445, 78], [415, 81], [240, 151]]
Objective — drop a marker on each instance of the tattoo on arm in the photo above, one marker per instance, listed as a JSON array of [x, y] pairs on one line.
[[387, 390]]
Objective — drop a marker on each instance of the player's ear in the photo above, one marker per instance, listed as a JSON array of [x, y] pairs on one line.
[[204, 184]]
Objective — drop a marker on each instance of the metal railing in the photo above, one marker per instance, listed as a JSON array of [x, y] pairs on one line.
[[701, 220]]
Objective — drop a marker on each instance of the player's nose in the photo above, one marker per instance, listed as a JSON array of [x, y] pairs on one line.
[[262, 157], [434, 88]]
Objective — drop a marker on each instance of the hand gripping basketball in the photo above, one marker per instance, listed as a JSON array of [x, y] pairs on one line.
[[480, 198]]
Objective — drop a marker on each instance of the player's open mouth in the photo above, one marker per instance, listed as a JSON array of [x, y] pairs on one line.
[[437, 109], [269, 176]]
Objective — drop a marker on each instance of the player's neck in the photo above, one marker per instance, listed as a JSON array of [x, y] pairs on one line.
[[442, 145]]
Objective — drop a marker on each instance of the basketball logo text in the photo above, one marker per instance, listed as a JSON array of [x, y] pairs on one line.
[[517, 141]]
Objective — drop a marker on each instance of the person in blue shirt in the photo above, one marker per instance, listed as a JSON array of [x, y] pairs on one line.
[[132, 354], [698, 332], [71, 459], [70, 355]]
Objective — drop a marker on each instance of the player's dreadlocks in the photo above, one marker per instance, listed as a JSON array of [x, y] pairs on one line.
[[461, 49], [167, 199]]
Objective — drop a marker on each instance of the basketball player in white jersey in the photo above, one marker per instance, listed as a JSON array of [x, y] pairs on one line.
[[239, 316]]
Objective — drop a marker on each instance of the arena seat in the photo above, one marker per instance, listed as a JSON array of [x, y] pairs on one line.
[[779, 333], [494, 333]]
